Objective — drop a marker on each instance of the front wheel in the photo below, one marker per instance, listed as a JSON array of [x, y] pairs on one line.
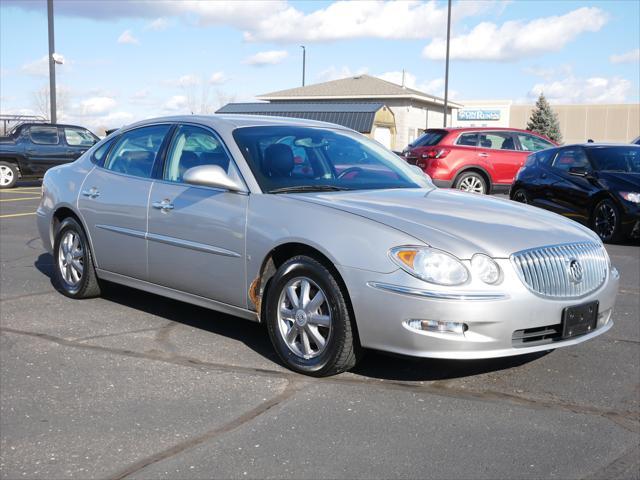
[[8, 175], [521, 196], [308, 319], [605, 221], [74, 272], [471, 182]]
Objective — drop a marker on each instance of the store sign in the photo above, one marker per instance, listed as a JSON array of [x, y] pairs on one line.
[[479, 115]]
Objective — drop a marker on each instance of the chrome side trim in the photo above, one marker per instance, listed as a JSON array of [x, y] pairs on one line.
[[199, 247], [418, 292], [176, 242], [125, 231], [178, 295]]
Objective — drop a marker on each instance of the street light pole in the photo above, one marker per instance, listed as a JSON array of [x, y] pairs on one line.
[[52, 63], [304, 62], [446, 68]]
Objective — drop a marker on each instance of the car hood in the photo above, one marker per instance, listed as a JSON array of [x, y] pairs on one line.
[[458, 222], [621, 180]]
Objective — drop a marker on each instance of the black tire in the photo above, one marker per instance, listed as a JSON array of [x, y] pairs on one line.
[[605, 221], [341, 351], [521, 196], [8, 171], [87, 286], [467, 180]]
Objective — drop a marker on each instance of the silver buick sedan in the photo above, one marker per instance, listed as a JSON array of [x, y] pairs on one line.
[[327, 237]]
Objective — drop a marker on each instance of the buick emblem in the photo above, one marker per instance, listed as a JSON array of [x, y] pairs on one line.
[[575, 271]]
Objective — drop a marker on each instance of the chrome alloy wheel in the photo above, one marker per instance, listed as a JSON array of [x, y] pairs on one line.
[[6, 175], [304, 318], [605, 221], [71, 259], [471, 184]]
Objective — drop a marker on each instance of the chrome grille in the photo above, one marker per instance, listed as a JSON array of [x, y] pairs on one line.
[[546, 270]]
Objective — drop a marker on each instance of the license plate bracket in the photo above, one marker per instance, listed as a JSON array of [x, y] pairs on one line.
[[579, 319]]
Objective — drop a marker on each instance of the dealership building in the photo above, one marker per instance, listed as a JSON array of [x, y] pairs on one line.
[[395, 115]]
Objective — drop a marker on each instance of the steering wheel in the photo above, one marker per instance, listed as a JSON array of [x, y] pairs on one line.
[[349, 170]]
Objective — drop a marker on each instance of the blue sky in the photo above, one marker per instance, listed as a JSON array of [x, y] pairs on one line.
[[130, 60]]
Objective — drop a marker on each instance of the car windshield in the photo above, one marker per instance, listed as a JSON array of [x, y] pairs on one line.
[[286, 159], [616, 159], [429, 138]]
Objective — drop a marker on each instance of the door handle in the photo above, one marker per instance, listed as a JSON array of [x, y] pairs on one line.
[[91, 193], [482, 154], [164, 205]]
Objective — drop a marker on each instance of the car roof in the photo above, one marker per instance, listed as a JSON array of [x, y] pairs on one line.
[[231, 121], [47, 124], [597, 145], [484, 129]]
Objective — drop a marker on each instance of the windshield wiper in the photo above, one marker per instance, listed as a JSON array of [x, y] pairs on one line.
[[308, 188]]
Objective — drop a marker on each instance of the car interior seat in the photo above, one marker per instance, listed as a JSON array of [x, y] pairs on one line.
[[278, 160]]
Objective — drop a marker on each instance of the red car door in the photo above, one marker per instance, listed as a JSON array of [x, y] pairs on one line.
[[499, 150]]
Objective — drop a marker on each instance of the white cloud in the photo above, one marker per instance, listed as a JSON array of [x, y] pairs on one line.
[[335, 73], [37, 68], [514, 40], [217, 78], [188, 80], [431, 87], [270, 57], [628, 57], [279, 21], [141, 94], [96, 105], [177, 102], [127, 38], [158, 24], [584, 90]]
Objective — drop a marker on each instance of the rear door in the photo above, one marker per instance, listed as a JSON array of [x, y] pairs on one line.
[[43, 148], [78, 140], [114, 199], [196, 234], [499, 149]]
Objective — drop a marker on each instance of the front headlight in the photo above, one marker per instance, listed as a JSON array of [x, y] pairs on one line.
[[633, 197], [485, 268], [430, 265]]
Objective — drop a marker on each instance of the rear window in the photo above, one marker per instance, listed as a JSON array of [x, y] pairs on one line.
[[544, 156], [429, 138]]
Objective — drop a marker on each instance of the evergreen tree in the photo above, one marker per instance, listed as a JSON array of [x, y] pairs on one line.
[[544, 121]]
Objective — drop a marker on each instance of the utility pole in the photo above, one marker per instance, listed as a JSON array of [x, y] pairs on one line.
[[304, 62], [52, 64], [446, 68]]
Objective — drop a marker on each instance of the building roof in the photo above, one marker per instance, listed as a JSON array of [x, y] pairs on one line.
[[356, 116], [358, 87]]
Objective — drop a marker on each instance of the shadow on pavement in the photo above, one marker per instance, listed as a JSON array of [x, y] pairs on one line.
[[374, 365]]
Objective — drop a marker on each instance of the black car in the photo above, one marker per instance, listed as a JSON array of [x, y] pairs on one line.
[[31, 149], [595, 184]]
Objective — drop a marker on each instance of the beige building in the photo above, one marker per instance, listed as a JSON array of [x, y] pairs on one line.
[[578, 123], [413, 110]]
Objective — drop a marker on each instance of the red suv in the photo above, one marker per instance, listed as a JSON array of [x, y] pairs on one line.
[[481, 160]]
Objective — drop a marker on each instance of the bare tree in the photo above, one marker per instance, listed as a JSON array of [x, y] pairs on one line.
[[224, 98], [40, 101]]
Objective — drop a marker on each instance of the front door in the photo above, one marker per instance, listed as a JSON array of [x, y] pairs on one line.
[[78, 141], [196, 235], [114, 200]]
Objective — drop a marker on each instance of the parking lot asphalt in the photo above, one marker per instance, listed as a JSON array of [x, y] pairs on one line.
[[133, 385]]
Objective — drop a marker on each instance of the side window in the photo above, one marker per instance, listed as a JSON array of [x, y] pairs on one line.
[[77, 137], [101, 152], [570, 158], [531, 143], [44, 135], [136, 151], [468, 139], [194, 146], [497, 141]]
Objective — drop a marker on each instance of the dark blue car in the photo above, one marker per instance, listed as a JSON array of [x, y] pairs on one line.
[[595, 184]]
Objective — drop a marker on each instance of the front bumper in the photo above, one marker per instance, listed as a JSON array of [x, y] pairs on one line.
[[495, 317]]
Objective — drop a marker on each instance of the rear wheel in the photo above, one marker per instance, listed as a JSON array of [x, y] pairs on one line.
[[605, 221], [309, 323], [8, 175], [471, 182], [74, 272], [521, 196]]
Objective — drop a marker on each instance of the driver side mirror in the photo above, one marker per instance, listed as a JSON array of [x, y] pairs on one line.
[[211, 176]]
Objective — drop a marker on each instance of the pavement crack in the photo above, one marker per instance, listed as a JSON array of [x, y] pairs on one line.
[[290, 389], [126, 332], [27, 295], [621, 467]]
